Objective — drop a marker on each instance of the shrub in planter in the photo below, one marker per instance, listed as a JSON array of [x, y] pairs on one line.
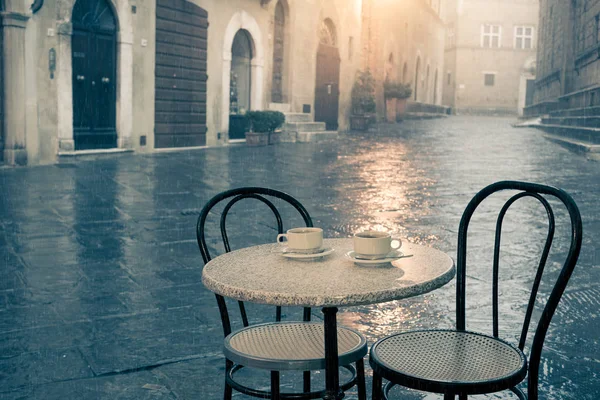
[[395, 99], [396, 90], [363, 100], [265, 121], [262, 126]]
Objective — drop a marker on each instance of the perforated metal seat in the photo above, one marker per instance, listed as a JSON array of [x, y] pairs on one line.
[[290, 346], [437, 359]]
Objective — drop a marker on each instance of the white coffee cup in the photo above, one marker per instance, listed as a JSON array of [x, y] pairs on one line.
[[302, 240], [373, 245]]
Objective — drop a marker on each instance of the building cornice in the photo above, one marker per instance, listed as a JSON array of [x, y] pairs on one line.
[[587, 57], [551, 77]]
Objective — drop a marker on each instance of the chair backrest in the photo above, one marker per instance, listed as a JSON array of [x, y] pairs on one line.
[[231, 197], [524, 190]]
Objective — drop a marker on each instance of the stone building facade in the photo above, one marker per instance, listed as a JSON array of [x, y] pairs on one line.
[[289, 42], [403, 41], [568, 53], [71, 68], [122, 75], [490, 55]]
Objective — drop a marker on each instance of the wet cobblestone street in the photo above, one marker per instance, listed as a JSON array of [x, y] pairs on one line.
[[100, 274]]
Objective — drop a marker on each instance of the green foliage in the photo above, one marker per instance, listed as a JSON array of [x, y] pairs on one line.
[[363, 94], [396, 90], [265, 121]]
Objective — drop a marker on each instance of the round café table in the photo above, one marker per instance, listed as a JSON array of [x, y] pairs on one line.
[[261, 274]]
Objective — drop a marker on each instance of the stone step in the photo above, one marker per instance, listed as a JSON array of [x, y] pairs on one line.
[[304, 126], [591, 151], [283, 107], [309, 137], [297, 117], [588, 135], [586, 122], [421, 115], [577, 112]]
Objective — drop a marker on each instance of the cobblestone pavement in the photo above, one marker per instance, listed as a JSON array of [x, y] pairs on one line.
[[100, 292]]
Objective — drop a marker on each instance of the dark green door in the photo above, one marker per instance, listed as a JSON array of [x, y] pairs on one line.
[[94, 75]]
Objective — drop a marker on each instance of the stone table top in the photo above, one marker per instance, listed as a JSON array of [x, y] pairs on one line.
[[261, 274]]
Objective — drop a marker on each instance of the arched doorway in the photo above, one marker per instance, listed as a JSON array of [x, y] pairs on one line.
[[327, 86], [1, 89], [240, 85], [426, 86], [435, 87], [278, 54], [389, 68], [418, 66], [94, 55]]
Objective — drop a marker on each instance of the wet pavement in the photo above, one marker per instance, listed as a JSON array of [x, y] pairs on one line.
[[100, 292]]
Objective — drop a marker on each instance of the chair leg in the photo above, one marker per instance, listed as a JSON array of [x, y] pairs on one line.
[[306, 386], [377, 382], [275, 385], [228, 391], [360, 380]]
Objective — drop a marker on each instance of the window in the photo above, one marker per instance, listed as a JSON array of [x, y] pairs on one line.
[[523, 37], [490, 36], [449, 77], [489, 79]]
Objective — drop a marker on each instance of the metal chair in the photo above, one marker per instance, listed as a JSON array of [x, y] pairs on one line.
[[460, 362], [277, 346]]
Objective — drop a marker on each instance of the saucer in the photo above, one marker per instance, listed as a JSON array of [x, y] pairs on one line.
[[391, 256], [319, 253]]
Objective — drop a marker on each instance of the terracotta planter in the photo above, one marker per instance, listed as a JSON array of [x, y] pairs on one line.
[[257, 138], [400, 108], [275, 137], [359, 122], [391, 109]]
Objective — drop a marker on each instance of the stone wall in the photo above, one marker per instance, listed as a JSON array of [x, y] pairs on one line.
[[552, 58], [40, 125], [43, 126], [303, 18], [397, 36], [468, 61], [569, 66], [586, 31]]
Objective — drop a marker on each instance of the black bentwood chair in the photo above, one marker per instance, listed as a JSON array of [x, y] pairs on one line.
[[278, 346], [459, 362]]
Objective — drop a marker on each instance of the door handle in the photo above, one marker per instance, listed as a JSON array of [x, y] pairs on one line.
[[80, 78], [105, 80]]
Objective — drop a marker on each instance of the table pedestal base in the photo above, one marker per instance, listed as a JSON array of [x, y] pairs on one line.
[[332, 374]]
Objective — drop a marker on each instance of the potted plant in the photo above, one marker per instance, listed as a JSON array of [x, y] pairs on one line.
[[263, 126], [395, 99], [363, 100]]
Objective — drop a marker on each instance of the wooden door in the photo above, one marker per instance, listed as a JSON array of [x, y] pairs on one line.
[[1, 94], [327, 86], [529, 92], [93, 46], [180, 74]]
